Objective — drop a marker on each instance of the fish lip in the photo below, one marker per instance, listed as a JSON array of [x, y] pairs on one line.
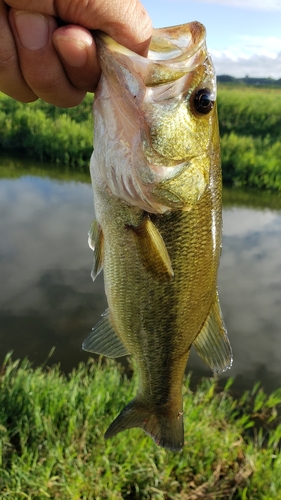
[[175, 43], [173, 52], [171, 44]]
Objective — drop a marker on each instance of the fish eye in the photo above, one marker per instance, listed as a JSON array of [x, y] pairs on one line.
[[204, 101]]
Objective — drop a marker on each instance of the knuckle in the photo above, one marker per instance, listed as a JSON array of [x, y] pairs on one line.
[[8, 61]]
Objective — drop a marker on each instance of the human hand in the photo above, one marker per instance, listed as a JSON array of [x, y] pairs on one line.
[[41, 58]]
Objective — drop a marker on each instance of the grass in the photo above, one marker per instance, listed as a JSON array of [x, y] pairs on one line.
[[252, 112], [52, 445]]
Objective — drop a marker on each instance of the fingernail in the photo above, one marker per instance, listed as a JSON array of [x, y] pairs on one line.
[[33, 30]]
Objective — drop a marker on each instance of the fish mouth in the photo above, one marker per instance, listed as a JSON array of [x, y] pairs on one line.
[[173, 52]]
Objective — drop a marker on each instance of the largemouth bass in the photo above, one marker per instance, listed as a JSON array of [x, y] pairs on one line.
[[157, 193]]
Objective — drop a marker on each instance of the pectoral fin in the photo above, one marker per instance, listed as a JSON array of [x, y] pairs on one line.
[[152, 249], [104, 340], [212, 343], [95, 241]]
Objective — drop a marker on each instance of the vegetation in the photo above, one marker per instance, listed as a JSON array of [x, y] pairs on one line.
[[47, 133], [250, 127], [250, 81], [249, 118], [52, 445]]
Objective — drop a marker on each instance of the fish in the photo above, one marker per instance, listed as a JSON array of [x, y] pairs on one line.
[[157, 236]]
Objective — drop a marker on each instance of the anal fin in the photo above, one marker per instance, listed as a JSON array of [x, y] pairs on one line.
[[152, 249], [212, 343], [95, 241], [104, 340]]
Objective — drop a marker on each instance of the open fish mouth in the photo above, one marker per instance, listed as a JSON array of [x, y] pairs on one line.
[[177, 65], [173, 52]]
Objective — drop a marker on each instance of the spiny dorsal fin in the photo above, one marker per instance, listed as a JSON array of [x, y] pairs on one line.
[[212, 343], [95, 241], [152, 248], [103, 340]]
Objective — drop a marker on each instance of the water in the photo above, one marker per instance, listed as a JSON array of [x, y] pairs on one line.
[[47, 297]]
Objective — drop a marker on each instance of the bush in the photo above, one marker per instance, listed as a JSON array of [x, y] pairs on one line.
[[48, 133], [251, 162]]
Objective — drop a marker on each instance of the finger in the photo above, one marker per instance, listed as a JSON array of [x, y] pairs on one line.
[[125, 21], [40, 64], [77, 50], [12, 82]]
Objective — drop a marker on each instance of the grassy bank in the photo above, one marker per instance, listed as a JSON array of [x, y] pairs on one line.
[[250, 127], [52, 445]]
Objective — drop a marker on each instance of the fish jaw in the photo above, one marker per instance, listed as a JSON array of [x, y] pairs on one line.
[[147, 130]]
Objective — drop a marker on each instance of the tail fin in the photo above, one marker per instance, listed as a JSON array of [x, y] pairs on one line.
[[163, 423]]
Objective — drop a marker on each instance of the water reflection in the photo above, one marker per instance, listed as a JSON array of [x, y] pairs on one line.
[[47, 297], [250, 293], [250, 282]]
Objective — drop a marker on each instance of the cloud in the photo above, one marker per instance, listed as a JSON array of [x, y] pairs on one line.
[[259, 66], [249, 55], [50, 221], [268, 5], [250, 288], [246, 46]]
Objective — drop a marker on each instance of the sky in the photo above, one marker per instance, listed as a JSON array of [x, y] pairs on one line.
[[243, 36]]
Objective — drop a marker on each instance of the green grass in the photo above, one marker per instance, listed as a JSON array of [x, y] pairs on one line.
[[250, 112], [52, 445]]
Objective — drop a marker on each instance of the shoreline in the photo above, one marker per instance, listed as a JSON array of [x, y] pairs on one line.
[[250, 129]]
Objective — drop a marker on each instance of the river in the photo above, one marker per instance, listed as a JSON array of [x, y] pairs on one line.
[[47, 298]]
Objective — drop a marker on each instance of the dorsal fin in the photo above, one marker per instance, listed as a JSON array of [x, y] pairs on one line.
[[212, 343], [95, 241], [152, 249], [104, 340]]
